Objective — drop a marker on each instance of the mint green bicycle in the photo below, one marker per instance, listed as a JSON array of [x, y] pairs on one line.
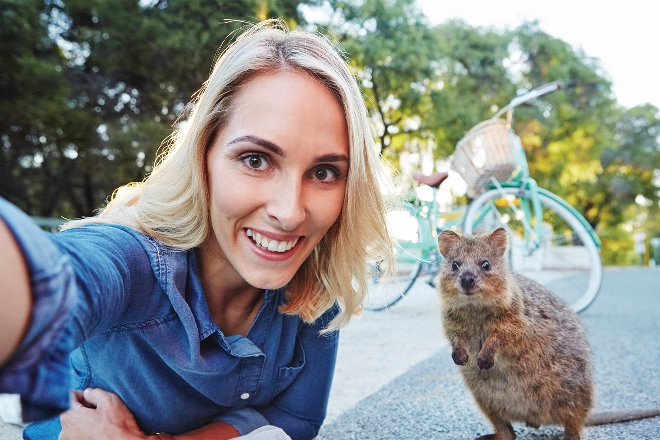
[[549, 240]]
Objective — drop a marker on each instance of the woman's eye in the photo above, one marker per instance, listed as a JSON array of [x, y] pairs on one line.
[[325, 174], [485, 265], [455, 266], [255, 161]]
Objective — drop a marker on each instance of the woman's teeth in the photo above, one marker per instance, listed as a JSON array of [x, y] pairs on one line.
[[271, 245]]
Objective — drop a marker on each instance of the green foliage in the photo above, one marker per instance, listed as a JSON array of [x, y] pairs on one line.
[[472, 81], [629, 166], [617, 247], [391, 50]]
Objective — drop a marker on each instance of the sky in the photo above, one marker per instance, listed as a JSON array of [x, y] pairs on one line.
[[624, 36]]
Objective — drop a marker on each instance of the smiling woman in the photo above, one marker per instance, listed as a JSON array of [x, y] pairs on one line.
[[284, 127], [207, 297]]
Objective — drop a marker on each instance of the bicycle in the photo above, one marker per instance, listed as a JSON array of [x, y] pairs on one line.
[[549, 240]]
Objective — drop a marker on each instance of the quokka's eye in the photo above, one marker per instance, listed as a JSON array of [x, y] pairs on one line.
[[485, 265], [455, 265]]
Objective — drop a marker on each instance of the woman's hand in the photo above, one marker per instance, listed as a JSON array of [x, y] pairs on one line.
[[99, 414], [95, 414]]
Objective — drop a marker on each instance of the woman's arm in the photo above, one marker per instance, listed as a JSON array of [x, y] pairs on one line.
[[96, 413], [213, 431], [16, 300]]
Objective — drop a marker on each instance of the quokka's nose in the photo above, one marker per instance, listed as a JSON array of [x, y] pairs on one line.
[[467, 282]]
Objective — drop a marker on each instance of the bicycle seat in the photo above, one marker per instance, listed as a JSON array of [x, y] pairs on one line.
[[433, 180]]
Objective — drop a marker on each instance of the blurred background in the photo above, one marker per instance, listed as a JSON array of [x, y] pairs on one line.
[[89, 89]]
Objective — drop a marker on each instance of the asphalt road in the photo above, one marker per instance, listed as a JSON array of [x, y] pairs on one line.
[[395, 378], [430, 401]]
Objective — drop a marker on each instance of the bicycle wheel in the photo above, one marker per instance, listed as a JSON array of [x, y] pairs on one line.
[[387, 286], [565, 257]]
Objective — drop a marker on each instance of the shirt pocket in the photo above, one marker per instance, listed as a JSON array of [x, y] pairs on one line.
[[288, 374]]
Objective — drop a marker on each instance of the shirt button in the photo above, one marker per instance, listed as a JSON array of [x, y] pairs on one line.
[[245, 396]]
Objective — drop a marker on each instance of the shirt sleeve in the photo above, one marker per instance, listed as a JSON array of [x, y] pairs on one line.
[[80, 282], [112, 271], [301, 408], [38, 369], [245, 420]]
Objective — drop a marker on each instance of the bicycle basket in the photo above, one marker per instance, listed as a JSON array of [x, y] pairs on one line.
[[487, 151]]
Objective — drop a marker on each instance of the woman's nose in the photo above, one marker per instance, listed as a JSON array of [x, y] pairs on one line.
[[286, 204]]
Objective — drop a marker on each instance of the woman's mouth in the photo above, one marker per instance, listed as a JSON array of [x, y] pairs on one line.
[[269, 244]]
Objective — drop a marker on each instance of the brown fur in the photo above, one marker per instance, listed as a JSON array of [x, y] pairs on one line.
[[523, 353]]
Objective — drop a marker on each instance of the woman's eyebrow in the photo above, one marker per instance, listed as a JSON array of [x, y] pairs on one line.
[[332, 158], [261, 142], [280, 152]]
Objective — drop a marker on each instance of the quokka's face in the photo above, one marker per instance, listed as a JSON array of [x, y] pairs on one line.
[[474, 269]]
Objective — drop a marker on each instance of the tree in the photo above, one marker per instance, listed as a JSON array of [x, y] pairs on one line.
[[392, 51], [626, 196], [33, 98], [473, 79], [565, 133]]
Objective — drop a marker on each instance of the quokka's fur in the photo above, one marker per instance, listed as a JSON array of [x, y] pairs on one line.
[[523, 353]]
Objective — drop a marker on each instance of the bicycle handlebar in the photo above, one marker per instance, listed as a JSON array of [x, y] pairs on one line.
[[532, 94]]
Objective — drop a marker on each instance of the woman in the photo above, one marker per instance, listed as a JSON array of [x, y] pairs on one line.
[[204, 302]]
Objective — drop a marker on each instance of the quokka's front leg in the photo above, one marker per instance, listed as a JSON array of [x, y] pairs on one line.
[[489, 349], [459, 352]]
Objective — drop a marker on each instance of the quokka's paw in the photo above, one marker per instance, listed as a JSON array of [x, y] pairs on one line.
[[485, 362], [459, 355]]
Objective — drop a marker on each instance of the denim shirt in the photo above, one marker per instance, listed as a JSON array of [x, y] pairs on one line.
[[141, 328]]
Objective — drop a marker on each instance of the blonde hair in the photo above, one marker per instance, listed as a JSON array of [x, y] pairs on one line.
[[171, 204]]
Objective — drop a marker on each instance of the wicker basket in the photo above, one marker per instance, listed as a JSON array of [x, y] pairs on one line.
[[489, 150]]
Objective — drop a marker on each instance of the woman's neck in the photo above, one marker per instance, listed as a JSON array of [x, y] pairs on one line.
[[233, 303]]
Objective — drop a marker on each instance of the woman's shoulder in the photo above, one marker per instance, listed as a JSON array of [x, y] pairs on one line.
[[129, 244], [115, 236]]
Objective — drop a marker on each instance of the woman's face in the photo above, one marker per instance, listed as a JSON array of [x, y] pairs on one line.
[[277, 177]]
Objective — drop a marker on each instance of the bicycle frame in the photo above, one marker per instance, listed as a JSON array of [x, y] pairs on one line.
[[426, 215], [424, 249]]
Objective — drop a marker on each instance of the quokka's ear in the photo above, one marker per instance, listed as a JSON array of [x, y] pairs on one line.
[[498, 238], [446, 240]]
